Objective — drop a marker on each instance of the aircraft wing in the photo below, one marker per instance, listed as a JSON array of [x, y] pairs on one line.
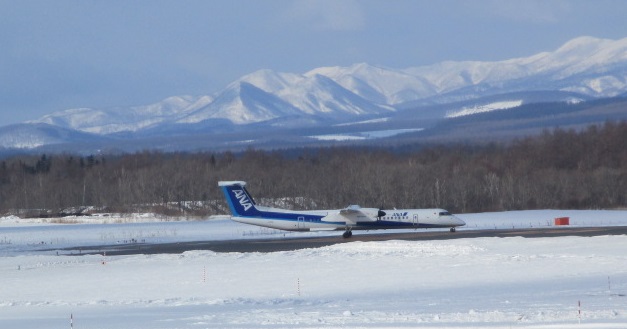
[[351, 210], [353, 214]]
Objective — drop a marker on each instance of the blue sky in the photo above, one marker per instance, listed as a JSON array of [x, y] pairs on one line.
[[60, 54]]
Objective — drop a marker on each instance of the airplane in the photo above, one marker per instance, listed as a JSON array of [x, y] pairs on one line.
[[244, 209]]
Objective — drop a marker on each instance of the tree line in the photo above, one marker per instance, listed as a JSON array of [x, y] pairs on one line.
[[564, 169]]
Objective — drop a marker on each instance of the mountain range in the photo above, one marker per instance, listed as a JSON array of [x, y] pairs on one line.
[[272, 108]]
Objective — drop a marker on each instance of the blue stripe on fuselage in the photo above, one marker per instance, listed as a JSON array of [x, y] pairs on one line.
[[286, 216]]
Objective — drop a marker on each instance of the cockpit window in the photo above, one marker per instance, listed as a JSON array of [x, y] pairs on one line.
[[445, 213]]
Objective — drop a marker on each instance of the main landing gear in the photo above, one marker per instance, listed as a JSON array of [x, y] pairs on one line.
[[347, 234], [453, 230]]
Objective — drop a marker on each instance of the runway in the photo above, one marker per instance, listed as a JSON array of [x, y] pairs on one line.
[[287, 244]]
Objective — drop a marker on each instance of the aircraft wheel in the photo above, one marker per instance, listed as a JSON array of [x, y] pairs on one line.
[[453, 230], [347, 234]]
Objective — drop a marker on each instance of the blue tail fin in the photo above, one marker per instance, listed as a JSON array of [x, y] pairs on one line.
[[239, 200]]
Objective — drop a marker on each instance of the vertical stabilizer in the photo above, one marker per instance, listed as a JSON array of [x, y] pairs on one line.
[[239, 200]]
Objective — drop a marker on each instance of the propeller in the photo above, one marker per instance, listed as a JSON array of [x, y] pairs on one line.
[[380, 213]]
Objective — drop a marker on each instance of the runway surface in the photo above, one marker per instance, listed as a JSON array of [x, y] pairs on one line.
[[286, 244]]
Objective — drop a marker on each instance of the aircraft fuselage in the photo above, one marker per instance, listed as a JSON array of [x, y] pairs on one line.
[[332, 219], [245, 210]]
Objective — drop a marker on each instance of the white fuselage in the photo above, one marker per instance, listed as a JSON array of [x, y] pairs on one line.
[[365, 220], [245, 210]]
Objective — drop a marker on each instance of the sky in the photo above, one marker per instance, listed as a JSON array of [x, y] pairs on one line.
[[57, 55]]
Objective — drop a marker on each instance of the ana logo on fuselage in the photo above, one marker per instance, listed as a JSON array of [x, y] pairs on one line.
[[243, 199]]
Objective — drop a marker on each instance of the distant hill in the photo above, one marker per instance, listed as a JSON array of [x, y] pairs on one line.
[[272, 109]]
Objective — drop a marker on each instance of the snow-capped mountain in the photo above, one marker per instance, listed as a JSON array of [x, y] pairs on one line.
[[266, 95], [377, 84], [590, 66], [322, 96], [582, 68], [242, 103], [107, 121], [29, 136]]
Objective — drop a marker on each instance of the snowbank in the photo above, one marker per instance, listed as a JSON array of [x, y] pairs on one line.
[[462, 283], [466, 283]]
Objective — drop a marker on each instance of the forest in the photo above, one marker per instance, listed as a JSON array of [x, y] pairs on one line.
[[559, 169]]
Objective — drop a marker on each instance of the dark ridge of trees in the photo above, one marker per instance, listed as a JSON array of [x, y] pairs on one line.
[[559, 169]]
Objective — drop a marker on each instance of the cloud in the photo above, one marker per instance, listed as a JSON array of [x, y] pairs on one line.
[[328, 15]]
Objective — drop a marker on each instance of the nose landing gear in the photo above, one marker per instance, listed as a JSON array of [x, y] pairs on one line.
[[347, 234]]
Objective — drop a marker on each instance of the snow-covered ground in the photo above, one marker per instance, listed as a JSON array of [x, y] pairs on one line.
[[504, 105], [364, 135], [463, 283]]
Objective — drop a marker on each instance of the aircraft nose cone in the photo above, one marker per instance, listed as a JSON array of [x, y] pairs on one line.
[[458, 221]]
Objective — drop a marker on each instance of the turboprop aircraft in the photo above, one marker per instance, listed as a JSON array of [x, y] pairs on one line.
[[245, 210]]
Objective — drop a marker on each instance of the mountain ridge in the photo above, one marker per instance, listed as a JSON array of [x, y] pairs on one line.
[[585, 66], [387, 88]]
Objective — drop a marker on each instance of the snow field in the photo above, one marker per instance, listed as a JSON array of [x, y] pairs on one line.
[[465, 283]]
